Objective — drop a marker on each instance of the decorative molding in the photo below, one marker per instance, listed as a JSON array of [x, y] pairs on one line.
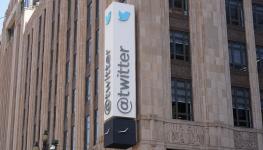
[[245, 140], [186, 134]]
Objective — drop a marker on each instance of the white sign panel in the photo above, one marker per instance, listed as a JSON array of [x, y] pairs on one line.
[[119, 68]]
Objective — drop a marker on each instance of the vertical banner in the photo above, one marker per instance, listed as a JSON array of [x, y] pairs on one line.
[[119, 74]]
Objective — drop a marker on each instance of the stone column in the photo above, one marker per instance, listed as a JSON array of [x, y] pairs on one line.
[[253, 72], [13, 84], [153, 70], [210, 69], [61, 73], [46, 68]]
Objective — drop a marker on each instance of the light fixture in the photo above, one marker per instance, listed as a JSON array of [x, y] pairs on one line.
[[54, 145], [45, 136], [35, 147]]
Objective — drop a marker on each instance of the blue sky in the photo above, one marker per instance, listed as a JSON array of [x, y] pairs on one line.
[[3, 7]]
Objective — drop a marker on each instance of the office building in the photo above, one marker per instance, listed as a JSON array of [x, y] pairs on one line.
[[199, 74]]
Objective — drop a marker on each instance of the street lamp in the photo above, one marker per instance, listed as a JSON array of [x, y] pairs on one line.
[[45, 136], [35, 147], [45, 140]]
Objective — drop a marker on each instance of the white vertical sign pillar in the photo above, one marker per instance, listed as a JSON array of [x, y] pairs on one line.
[[120, 76]]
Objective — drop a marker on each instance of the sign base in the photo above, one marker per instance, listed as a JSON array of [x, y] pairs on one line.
[[119, 133]]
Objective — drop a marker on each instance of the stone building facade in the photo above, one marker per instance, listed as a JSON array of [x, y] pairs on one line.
[[199, 74]]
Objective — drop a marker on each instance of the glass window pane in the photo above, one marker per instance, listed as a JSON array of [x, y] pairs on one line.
[[234, 12], [179, 45], [87, 136], [181, 107], [241, 106], [179, 84], [178, 3], [181, 99], [179, 49], [236, 57]]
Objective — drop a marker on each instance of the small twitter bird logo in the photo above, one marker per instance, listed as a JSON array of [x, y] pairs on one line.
[[108, 18], [124, 16]]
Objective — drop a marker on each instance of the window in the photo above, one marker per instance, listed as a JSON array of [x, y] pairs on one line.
[[65, 140], [261, 99], [89, 16], [69, 10], [234, 12], [260, 58], [96, 127], [237, 56], [66, 99], [75, 34], [67, 72], [10, 32], [76, 9], [73, 108], [74, 67], [179, 45], [179, 5], [35, 2], [241, 107], [182, 99], [258, 17], [87, 132], [87, 88], [88, 51], [97, 81], [123, 1], [26, 3], [97, 41], [73, 138], [97, 9], [68, 44]]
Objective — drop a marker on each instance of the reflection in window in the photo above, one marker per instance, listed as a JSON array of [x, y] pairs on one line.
[[182, 99], [241, 107], [179, 45]]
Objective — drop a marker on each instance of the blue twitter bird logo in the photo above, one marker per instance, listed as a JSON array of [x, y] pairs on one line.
[[108, 18], [124, 16]]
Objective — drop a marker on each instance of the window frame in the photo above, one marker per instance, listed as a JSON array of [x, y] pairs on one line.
[[237, 107], [184, 40], [188, 99], [257, 13], [243, 66], [261, 100], [240, 12]]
